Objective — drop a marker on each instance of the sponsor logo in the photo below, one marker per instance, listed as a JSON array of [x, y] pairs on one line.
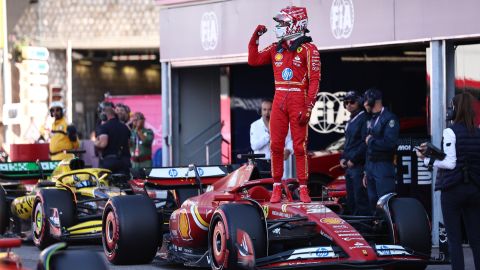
[[352, 238], [278, 57], [342, 18], [265, 210], [278, 64], [324, 234], [281, 214], [276, 231], [349, 234], [173, 173], [332, 221], [322, 252], [364, 252], [340, 226], [287, 74], [209, 31], [299, 49], [284, 207]]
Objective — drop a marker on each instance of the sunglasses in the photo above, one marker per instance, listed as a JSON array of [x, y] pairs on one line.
[[55, 109], [347, 102]]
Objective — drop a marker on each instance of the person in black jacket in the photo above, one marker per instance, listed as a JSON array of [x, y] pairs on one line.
[[353, 156], [382, 135], [112, 139], [458, 179]]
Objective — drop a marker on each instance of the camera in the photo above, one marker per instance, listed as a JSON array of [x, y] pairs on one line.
[[431, 151]]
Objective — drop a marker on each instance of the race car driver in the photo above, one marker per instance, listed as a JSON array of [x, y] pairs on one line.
[[296, 69], [63, 137]]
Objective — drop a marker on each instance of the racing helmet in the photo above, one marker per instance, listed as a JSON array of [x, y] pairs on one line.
[[56, 104], [291, 22]]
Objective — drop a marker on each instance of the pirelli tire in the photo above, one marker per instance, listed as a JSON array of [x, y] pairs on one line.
[[74, 260], [45, 200], [131, 230], [412, 229], [226, 222], [4, 211]]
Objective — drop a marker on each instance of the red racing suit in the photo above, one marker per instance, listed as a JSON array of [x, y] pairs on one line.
[[297, 77]]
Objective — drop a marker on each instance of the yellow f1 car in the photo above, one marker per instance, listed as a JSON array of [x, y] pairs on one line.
[[69, 204]]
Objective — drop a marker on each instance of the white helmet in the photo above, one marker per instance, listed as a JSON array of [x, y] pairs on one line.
[[57, 104]]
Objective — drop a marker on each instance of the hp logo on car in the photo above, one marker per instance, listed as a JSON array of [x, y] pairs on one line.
[[287, 74], [322, 252], [200, 171], [173, 173]]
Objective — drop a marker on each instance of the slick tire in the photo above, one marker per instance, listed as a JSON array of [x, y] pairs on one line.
[[45, 200], [412, 228], [227, 220], [131, 230], [4, 211]]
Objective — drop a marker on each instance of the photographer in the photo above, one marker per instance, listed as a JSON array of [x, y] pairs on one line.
[[458, 179]]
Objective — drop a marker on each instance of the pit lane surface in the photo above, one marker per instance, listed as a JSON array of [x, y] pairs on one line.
[[29, 254]]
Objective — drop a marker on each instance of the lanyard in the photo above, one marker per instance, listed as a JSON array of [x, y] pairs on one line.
[[370, 128], [353, 119]]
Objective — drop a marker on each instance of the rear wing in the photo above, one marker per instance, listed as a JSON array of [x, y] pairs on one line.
[[26, 170], [181, 176]]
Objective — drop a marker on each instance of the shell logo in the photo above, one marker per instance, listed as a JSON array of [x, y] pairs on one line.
[[184, 226], [278, 57], [332, 221]]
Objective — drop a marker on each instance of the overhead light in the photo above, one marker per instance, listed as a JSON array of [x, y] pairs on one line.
[[110, 64], [85, 62], [415, 53], [134, 57]]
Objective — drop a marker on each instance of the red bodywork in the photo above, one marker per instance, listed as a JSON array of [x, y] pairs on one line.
[[10, 260], [189, 225]]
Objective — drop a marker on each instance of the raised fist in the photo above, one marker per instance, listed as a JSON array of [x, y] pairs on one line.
[[260, 30]]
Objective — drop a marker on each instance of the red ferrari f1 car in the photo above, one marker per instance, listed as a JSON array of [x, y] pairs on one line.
[[210, 217]]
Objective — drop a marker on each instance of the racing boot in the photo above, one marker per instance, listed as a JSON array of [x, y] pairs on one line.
[[304, 197], [276, 193]]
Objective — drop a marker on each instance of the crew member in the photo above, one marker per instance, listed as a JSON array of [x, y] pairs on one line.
[[458, 179], [381, 141], [63, 137], [112, 140], [260, 138], [123, 114], [141, 139], [353, 156], [296, 69]]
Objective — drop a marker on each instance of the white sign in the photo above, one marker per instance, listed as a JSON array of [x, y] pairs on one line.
[[37, 93], [12, 113], [342, 18], [329, 115], [36, 66], [38, 79], [209, 31], [35, 53]]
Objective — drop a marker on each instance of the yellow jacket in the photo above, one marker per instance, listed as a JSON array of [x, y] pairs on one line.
[[59, 140]]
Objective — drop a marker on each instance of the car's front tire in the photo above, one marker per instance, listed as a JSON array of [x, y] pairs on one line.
[[45, 200], [130, 230]]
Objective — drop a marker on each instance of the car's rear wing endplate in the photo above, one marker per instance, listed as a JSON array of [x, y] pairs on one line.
[[26, 170], [183, 172]]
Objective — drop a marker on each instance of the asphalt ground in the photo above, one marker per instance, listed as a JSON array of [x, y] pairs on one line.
[[29, 254]]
